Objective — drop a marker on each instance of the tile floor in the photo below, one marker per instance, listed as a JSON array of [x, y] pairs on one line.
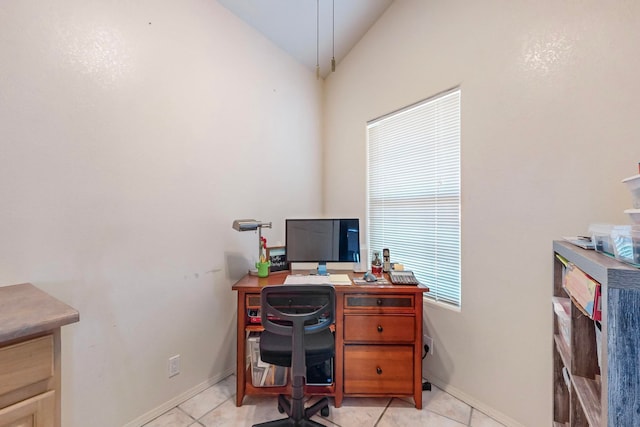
[[215, 407]]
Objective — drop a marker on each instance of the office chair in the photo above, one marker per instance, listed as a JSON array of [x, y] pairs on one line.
[[296, 319]]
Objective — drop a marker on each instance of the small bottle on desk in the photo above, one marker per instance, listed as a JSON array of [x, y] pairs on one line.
[[376, 264]]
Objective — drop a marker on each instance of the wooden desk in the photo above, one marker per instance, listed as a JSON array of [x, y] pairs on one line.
[[378, 334]]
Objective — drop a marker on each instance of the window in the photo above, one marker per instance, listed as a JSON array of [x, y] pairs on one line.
[[413, 205]]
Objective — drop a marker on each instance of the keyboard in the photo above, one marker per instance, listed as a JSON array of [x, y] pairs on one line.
[[403, 277]]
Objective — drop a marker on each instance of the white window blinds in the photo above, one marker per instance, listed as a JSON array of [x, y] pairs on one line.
[[414, 191]]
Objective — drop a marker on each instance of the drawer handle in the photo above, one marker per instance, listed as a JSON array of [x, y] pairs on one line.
[[379, 301], [380, 328], [379, 370]]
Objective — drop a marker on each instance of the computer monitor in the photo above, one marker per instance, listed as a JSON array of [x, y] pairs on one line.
[[322, 241]]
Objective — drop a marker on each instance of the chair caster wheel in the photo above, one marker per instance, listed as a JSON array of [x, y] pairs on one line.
[[280, 409], [324, 411]]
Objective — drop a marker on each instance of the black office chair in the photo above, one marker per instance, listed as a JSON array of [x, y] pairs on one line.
[[296, 319]]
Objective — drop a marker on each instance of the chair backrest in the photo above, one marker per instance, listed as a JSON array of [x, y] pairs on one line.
[[306, 308], [295, 311]]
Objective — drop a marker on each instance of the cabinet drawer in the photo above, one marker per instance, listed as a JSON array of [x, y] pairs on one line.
[[379, 328], [26, 363], [380, 302], [38, 411], [378, 369], [253, 300]]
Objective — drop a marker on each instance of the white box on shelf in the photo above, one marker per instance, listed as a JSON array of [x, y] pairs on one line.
[[633, 184], [601, 237], [626, 244], [634, 215]]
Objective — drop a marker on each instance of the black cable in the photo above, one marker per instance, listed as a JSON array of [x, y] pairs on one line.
[[426, 385]]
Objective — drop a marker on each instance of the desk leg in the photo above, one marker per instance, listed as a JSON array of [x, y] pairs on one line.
[[339, 359], [417, 373], [240, 350]]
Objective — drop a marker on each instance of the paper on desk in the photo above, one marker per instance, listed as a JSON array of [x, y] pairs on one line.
[[331, 279], [301, 279], [339, 279]]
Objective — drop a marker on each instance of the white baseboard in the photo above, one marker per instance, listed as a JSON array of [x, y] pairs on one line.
[[156, 412], [475, 403]]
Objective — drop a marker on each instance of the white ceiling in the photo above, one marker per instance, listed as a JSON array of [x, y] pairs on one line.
[[292, 25]]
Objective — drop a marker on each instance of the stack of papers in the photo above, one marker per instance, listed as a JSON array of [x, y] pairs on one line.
[[580, 241], [339, 279]]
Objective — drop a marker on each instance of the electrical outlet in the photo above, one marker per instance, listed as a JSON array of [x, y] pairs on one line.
[[174, 365], [428, 341]]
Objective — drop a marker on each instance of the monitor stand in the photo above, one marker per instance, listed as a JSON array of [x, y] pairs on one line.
[[322, 269]]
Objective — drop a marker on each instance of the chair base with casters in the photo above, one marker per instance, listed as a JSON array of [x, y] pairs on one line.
[[299, 337], [298, 420]]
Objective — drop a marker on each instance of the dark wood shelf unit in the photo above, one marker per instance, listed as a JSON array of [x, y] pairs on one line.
[[605, 393]]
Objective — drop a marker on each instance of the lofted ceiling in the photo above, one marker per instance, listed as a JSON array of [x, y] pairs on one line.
[[292, 25]]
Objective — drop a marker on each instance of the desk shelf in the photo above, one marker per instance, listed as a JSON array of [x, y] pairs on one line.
[[563, 349], [315, 390], [588, 395]]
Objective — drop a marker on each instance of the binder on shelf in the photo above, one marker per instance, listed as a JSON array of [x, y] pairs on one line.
[[583, 290]]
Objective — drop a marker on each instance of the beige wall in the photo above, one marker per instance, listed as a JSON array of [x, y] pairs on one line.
[[549, 128], [131, 135]]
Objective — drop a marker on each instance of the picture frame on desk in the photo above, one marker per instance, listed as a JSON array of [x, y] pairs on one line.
[[278, 257]]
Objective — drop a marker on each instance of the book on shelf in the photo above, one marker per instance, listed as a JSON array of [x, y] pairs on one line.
[[584, 290]]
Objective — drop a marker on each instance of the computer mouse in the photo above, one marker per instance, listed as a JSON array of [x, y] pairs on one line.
[[369, 277]]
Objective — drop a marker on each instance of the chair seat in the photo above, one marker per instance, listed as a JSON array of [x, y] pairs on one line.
[[276, 349]]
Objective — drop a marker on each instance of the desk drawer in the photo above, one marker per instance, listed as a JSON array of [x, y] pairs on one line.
[[379, 302], [379, 328], [253, 301], [26, 363], [378, 369]]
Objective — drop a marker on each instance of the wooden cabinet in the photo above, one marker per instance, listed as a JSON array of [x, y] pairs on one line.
[[378, 332], [589, 390], [38, 411], [30, 322], [382, 337]]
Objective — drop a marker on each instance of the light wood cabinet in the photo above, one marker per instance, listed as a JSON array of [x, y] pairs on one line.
[[38, 411], [587, 392], [30, 322]]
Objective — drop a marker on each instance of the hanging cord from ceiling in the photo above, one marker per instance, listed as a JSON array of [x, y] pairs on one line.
[[333, 36], [318, 39]]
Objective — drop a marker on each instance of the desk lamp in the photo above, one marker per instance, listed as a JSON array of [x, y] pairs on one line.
[[251, 225]]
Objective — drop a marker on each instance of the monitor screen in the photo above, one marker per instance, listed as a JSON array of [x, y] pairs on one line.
[[322, 240]]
